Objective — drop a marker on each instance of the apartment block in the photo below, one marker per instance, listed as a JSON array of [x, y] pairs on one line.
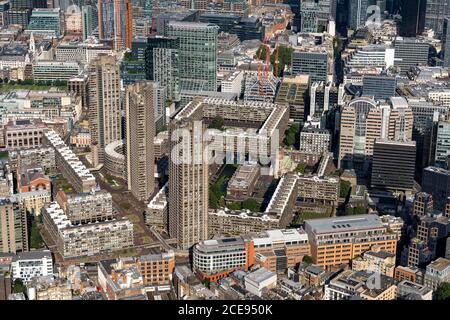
[[69, 164]]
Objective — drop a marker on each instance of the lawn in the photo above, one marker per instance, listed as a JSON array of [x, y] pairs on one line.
[[137, 229], [62, 183], [3, 154], [133, 218], [309, 215], [9, 87]]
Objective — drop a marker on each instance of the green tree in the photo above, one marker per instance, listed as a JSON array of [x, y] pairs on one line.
[[307, 259], [217, 123], [360, 210], [236, 205], [301, 168], [251, 204], [19, 287], [36, 241], [291, 134], [345, 187], [443, 292]]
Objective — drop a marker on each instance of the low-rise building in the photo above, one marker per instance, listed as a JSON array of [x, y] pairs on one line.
[[412, 274], [407, 290], [156, 213], [257, 281], [49, 288], [216, 258], [375, 260], [21, 134], [242, 183], [314, 189], [278, 250], [361, 284], [157, 269], [437, 273], [28, 265]]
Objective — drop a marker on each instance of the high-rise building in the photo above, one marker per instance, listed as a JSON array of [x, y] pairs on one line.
[[197, 54], [357, 13], [105, 117], [443, 144], [142, 17], [46, 22], [446, 42], [363, 121], [294, 92], [140, 132], [322, 97], [381, 87], [436, 181], [436, 10], [161, 64], [393, 165], [87, 16], [410, 52], [314, 64], [314, 15], [413, 17], [188, 181], [422, 204], [13, 227], [115, 22]]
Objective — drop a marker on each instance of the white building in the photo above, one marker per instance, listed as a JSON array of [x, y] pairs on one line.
[[27, 265], [262, 278], [233, 83]]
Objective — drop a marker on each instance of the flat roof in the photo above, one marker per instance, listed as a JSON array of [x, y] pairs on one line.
[[342, 224]]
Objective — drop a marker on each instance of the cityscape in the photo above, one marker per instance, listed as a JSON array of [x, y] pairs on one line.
[[208, 150]]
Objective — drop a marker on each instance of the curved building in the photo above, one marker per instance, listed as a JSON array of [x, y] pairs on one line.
[[115, 159]]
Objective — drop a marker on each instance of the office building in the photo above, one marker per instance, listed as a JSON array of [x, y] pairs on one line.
[[46, 22], [140, 114], [442, 144], [436, 181], [260, 279], [161, 57], [157, 269], [322, 97], [413, 17], [315, 140], [105, 115], [363, 121], [115, 22], [380, 87], [87, 23], [27, 265], [314, 16], [436, 10], [278, 250], [446, 42], [293, 92], [55, 70], [357, 13], [313, 64], [197, 54], [410, 52], [13, 227], [333, 244], [216, 259], [393, 165]]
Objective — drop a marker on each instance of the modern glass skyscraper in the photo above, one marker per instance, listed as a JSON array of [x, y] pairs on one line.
[[446, 40], [436, 11], [357, 13], [413, 17], [86, 19], [115, 22], [197, 54]]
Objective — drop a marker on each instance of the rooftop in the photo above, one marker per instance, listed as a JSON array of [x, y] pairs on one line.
[[344, 224]]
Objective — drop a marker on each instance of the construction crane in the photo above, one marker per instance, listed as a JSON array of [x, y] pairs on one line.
[[262, 79]]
